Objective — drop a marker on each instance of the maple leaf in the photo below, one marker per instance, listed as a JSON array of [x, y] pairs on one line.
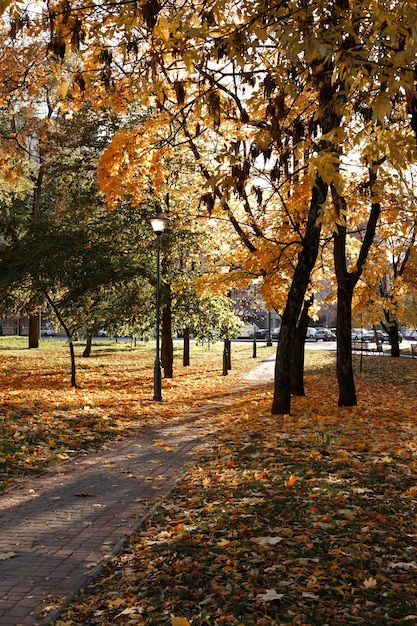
[[370, 583]]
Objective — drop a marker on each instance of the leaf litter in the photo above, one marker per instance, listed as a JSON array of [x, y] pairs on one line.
[[302, 519], [308, 519]]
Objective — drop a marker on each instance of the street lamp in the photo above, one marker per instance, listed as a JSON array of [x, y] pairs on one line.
[[158, 226]]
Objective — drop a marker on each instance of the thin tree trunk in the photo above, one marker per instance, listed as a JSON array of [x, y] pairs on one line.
[[346, 282], [167, 346], [69, 335], [281, 403], [186, 350], [89, 342], [72, 355], [344, 365], [34, 321], [345, 285], [297, 365], [229, 353], [225, 371]]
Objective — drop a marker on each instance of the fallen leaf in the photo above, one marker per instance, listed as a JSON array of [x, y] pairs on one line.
[[268, 541], [403, 565], [291, 481], [223, 542], [179, 621], [7, 555], [269, 596]]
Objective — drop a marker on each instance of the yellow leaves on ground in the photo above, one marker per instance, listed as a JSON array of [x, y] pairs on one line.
[[234, 545], [43, 421]]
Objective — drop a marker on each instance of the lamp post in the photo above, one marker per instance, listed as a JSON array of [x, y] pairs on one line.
[[158, 226]]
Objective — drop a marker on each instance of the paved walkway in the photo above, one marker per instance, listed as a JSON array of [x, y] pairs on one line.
[[57, 530]]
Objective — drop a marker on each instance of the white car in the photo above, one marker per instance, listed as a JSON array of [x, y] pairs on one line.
[[47, 331], [311, 334]]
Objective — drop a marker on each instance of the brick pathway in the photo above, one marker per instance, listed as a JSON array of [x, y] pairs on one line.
[[58, 529]]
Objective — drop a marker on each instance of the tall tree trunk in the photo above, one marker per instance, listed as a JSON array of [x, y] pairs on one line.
[[34, 321], [34, 318], [297, 365], [281, 403], [89, 342], [346, 282], [167, 345], [186, 350]]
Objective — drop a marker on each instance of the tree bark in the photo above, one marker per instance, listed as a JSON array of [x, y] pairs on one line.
[[346, 282], [229, 353], [345, 285], [34, 321], [281, 403], [297, 365], [87, 349], [393, 335], [186, 350], [167, 345], [69, 335]]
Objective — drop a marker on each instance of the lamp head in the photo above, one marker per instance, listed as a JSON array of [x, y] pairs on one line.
[[158, 223]]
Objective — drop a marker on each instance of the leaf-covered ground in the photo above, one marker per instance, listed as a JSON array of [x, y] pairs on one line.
[[43, 421], [308, 519]]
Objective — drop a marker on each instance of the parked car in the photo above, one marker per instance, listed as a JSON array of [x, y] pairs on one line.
[[311, 334], [275, 333], [324, 334], [370, 336], [410, 334], [47, 331], [261, 333], [382, 337], [357, 333]]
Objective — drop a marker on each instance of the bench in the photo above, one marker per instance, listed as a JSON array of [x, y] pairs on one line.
[[364, 346], [413, 347]]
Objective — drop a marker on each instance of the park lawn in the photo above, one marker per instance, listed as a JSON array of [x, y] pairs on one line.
[[308, 519], [43, 421]]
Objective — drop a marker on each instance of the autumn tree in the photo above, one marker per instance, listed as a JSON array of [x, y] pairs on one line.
[[273, 88]]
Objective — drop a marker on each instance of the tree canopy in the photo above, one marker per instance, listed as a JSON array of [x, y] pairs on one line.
[[278, 103]]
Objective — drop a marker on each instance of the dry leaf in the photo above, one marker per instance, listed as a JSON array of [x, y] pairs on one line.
[[269, 596], [180, 621], [7, 555], [267, 541], [291, 481]]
